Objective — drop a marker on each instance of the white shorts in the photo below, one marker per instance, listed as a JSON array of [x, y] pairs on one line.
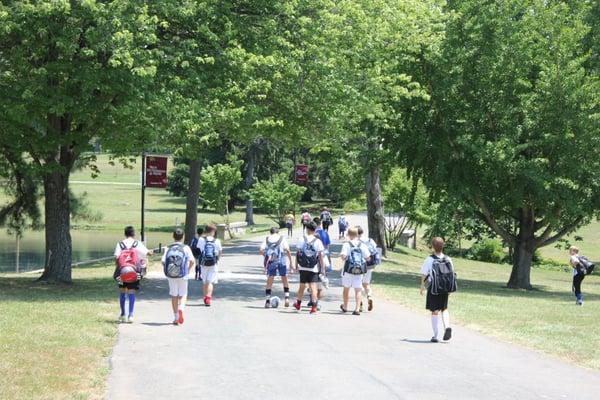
[[352, 281], [209, 275], [367, 277], [178, 287]]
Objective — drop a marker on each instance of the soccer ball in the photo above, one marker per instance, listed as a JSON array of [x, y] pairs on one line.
[[275, 301]]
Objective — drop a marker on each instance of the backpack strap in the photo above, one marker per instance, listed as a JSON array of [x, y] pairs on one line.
[[134, 245], [122, 246]]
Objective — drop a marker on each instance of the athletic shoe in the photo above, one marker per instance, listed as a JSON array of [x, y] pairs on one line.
[[180, 319], [207, 301], [355, 312], [434, 340], [297, 305], [360, 308], [318, 307], [448, 334], [343, 308], [287, 302], [123, 319], [175, 322], [130, 319], [313, 310], [370, 307], [267, 303], [309, 304]]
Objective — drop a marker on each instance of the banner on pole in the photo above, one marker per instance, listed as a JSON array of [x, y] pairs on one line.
[[156, 172], [301, 174]]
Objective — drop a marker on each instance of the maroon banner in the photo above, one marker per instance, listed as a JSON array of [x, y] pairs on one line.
[[301, 174], [156, 172]]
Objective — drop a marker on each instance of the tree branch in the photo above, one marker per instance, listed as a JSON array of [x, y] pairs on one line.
[[567, 229], [492, 223]]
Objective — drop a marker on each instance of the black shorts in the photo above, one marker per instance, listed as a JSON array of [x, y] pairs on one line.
[[309, 277], [436, 302], [130, 285]]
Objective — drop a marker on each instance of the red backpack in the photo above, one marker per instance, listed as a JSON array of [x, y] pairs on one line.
[[128, 263]]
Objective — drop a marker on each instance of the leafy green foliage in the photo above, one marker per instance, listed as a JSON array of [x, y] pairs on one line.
[[276, 196], [488, 250], [216, 183]]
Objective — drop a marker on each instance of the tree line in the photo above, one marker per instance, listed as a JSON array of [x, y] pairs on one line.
[[479, 109]]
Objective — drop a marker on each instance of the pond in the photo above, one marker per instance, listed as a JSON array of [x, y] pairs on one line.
[[87, 245]]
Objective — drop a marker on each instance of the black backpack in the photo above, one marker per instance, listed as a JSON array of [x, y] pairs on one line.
[[443, 278], [585, 266], [308, 256]]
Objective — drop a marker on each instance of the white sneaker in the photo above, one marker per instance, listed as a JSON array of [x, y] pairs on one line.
[[130, 319], [123, 319]]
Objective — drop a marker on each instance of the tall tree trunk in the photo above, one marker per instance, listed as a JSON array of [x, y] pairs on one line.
[[375, 215], [58, 224], [191, 204], [523, 252], [248, 181]]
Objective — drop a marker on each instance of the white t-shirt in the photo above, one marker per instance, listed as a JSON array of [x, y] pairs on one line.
[[428, 264], [188, 252], [574, 261], [141, 249], [319, 248], [347, 248], [202, 243]]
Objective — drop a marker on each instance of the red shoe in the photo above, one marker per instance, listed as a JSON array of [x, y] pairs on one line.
[[180, 319], [313, 310], [297, 305], [207, 301]]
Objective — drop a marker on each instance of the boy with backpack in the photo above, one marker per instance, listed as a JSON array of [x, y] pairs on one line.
[[275, 250], [305, 218], [355, 256], [178, 261], [581, 267], [290, 220], [196, 252], [309, 261], [210, 250], [130, 259], [438, 272], [374, 261], [342, 226], [326, 218]]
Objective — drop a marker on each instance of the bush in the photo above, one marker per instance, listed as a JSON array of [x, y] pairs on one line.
[[488, 250]]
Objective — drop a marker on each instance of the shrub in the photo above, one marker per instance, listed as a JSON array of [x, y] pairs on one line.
[[488, 250]]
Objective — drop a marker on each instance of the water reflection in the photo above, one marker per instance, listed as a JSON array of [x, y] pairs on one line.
[[87, 245]]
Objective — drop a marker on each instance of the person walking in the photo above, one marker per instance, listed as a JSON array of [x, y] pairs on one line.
[[326, 218], [581, 267], [276, 251], [290, 220], [305, 218], [355, 256], [211, 250], [196, 251], [438, 265], [373, 262], [342, 226], [130, 262], [309, 261], [178, 261]]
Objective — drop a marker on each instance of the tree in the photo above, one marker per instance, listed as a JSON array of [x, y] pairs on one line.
[[512, 118], [216, 182], [71, 72], [407, 206], [277, 196]]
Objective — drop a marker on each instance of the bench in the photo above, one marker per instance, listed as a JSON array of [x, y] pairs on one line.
[[234, 229]]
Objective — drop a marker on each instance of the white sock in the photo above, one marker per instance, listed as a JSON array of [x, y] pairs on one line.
[[446, 319], [434, 325], [175, 316], [369, 292]]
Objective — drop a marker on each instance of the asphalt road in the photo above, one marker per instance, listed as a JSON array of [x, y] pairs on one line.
[[236, 349]]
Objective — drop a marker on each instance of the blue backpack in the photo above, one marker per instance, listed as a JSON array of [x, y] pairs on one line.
[[273, 252], [307, 256], [176, 261], [209, 255], [355, 263], [375, 257]]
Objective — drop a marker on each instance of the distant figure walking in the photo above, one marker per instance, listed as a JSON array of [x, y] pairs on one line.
[[210, 250], [581, 267], [130, 263], [306, 219], [342, 225], [438, 272], [326, 218], [290, 220]]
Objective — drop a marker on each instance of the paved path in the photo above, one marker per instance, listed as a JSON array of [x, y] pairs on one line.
[[236, 349]]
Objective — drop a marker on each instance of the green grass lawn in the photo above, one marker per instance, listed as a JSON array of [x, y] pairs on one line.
[[544, 319], [55, 340]]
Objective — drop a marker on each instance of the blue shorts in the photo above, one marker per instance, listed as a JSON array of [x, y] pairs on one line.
[[275, 269]]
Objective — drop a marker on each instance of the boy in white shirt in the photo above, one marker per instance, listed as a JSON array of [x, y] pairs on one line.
[[127, 289], [578, 274], [275, 250], [439, 302], [178, 256], [355, 255], [210, 250], [368, 276], [309, 261]]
